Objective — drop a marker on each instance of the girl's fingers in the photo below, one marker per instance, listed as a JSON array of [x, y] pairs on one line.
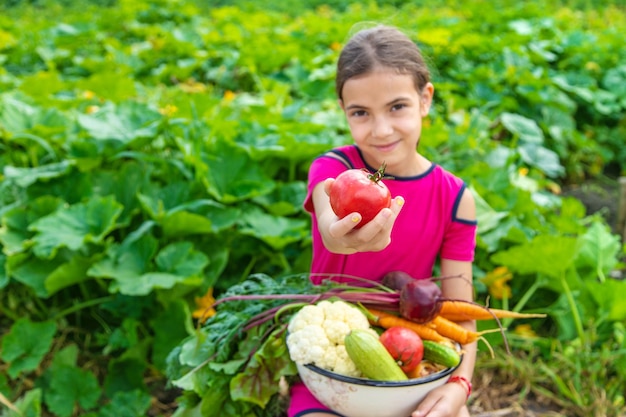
[[327, 183], [396, 204], [344, 226]]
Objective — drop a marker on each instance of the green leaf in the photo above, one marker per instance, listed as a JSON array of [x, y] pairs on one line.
[[168, 331], [74, 226], [68, 356], [233, 176], [196, 349], [123, 337], [259, 381], [182, 259], [29, 405], [549, 255], [25, 177], [121, 123], [130, 266], [615, 81], [135, 403], [32, 271], [609, 296], [488, 218], [14, 233], [215, 398], [4, 278], [598, 248], [285, 200], [25, 345], [128, 260], [183, 223], [19, 117], [42, 83], [123, 183], [71, 386], [543, 158], [68, 274], [109, 85], [275, 231], [568, 82], [125, 374], [526, 129]]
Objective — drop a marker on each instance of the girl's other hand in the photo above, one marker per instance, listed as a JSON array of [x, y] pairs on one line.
[[445, 401]]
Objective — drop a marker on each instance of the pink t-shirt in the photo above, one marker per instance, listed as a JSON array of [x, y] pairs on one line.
[[426, 228]]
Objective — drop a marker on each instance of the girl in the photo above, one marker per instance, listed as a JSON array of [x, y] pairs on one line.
[[384, 89]]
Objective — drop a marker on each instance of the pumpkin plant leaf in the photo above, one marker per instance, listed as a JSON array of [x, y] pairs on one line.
[[25, 345], [74, 226]]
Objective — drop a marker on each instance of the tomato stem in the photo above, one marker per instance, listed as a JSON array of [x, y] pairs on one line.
[[377, 176]]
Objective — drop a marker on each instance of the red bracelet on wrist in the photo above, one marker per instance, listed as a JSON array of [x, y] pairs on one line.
[[463, 381]]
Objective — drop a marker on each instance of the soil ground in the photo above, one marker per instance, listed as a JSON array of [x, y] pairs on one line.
[[599, 196], [494, 396]]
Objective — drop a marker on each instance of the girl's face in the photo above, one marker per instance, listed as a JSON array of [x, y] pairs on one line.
[[384, 112]]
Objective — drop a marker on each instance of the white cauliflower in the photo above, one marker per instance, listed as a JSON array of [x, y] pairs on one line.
[[317, 333]]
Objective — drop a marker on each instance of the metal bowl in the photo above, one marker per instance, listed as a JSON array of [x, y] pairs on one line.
[[361, 397]]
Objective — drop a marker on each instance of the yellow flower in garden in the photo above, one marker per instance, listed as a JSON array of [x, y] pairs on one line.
[[88, 94], [522, 171], [592, 66], [168, 110], [335, 46], [524, 330], [204, 306], [496, 282], [92, 109], [229, 95]]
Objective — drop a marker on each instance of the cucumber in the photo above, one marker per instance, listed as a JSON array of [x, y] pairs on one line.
[[371, 357], [441, 354]]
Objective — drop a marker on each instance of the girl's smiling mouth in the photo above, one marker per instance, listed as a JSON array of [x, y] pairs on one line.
[[387, 147]]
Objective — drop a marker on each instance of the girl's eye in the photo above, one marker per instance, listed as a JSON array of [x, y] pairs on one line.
[[358, 113], [398, 106]]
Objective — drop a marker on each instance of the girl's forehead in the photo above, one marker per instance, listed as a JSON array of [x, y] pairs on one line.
[[378, 88], [380, 80]]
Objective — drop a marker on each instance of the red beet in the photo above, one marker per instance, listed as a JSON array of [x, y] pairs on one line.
[[420, 300], [396, 280]]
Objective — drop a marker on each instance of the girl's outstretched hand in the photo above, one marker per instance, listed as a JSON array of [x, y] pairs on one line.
[[341, 236]]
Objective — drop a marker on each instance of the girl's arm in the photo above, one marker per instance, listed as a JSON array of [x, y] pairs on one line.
[[340, 235], [450, 398], [462, 289]]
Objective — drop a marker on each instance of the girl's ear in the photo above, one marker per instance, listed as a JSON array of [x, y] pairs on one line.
[[427, 98]]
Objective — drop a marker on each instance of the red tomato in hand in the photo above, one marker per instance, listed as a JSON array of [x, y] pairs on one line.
[[356, 190], [404, 345]]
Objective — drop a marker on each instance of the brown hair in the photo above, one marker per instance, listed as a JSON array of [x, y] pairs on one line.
[[382, 47]]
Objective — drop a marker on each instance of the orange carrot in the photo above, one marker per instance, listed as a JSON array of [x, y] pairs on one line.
[[460, 311], [387, 320], [454, 331]]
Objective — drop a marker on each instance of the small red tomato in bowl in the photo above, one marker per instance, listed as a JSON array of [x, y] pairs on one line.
[[404, 345], [356, 190]]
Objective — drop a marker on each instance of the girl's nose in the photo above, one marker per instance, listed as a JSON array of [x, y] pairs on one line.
[[381, 127]]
